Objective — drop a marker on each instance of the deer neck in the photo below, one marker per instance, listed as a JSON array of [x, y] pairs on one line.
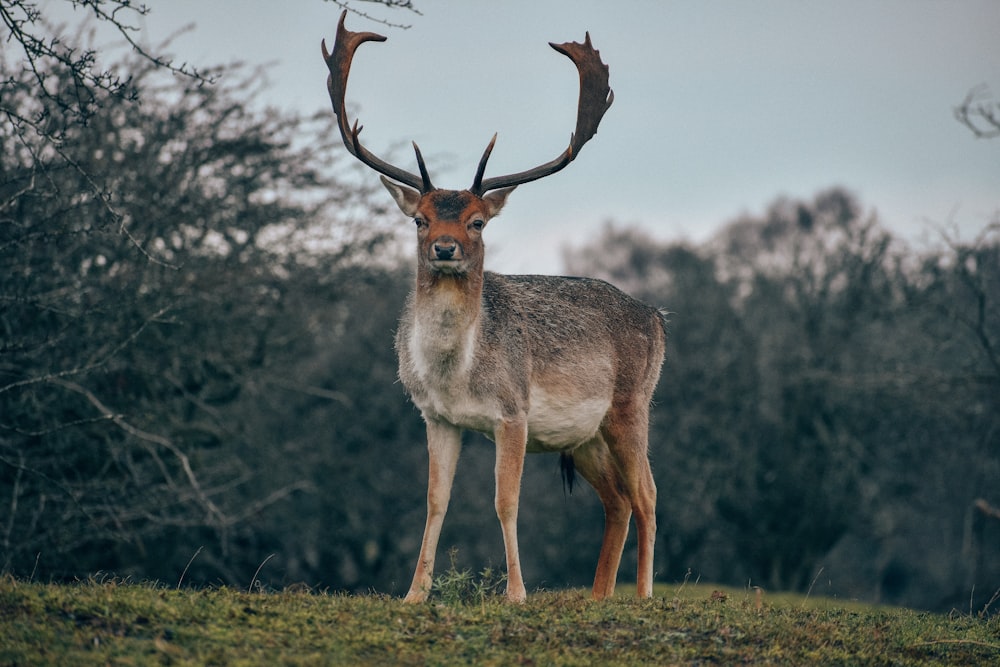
[[446, 314]]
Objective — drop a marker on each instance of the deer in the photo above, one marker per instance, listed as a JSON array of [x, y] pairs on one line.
[[536, 363]]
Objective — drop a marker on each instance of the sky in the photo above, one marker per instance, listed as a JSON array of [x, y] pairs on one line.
[[720, 106]]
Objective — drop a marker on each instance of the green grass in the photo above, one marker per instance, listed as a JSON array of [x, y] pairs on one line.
[[116, 623]]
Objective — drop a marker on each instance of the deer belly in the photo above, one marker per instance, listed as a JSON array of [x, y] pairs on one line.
[[558, 422]]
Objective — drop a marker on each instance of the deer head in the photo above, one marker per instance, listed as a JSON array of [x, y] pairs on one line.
[[450, 222], [450, 226]]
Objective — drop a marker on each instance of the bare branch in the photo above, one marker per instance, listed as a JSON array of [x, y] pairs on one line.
[[978, 113], [50, 62], [27, 26], [392, 4], [92, 365], [155, 439]]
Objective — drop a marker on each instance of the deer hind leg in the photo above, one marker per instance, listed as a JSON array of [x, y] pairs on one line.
[[594, 462], [511, 441], [626, 432], [444, 443]]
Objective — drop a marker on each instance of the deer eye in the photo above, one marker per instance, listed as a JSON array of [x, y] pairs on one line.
[[477, 225], [419, 222]]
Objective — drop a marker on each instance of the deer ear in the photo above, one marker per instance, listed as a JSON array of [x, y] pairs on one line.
[[407, 199], [495, 199]]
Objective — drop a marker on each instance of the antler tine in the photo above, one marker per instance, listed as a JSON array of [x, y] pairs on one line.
[[339, 64], [596, 97], [477, 184], [426, 186]]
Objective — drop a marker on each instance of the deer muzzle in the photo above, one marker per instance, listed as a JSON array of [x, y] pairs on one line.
[[445, 249]]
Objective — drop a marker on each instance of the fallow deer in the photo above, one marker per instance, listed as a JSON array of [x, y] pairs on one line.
[[536, 363]]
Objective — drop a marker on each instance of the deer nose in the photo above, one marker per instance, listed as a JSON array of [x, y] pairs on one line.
[[445, 248]]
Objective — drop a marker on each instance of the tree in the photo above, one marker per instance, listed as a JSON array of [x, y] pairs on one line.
[[70, 83], [816, 278], [134, 323], [828, 402], [708, 377]]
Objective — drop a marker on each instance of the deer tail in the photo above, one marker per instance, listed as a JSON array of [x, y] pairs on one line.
[[567, 467]]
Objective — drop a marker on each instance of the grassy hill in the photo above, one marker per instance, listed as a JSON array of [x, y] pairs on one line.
[[112, 622]]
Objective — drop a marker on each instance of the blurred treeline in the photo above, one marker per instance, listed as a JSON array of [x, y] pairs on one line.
[[197, 378]]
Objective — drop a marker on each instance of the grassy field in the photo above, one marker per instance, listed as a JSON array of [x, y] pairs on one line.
[[114, 623]]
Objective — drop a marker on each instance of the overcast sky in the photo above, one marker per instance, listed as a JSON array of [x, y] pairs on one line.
[[719, 106]]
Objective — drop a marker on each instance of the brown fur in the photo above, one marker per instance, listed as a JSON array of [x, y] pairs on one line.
[[537, 363]]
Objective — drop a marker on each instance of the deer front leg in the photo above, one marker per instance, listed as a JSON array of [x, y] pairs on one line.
[[511, 441], [444, 442]]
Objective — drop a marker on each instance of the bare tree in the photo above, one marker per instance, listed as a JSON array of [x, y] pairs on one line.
[[42, 48], [124, 241], [38, 49]]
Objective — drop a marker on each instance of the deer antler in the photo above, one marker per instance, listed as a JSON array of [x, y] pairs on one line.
[[339, 63], [595, 99]]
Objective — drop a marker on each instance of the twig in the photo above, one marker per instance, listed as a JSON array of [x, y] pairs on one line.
[[179, 581], [393, 4], [986, 607], [259, 568], [34, 569], [809, 592], [687, 576]]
